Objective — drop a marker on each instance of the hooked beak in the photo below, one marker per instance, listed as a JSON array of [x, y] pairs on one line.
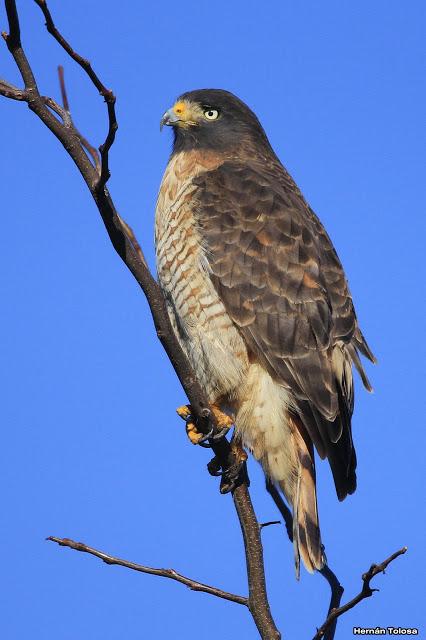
[[169, 119]]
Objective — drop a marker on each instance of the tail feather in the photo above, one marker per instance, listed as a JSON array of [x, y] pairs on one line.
[[362, 346], [303, 498], [296, 529], [358, 365]]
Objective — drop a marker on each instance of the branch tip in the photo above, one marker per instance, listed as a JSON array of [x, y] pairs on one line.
[[262, 525]]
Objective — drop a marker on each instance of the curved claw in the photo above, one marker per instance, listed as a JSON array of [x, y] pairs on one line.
[[214, 437], [220, 434], [230, 477], [206, 436], [195, 436], [214, 467]]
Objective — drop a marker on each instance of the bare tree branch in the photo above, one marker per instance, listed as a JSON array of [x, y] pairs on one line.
[[366, 592], [194, 585], [124, 242], [336, 596], [37, 103], [109, 141], [107, 94], [258, 599], [84, 64]]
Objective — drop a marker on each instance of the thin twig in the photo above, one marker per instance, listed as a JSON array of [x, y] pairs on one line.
[[366, 592], [37, 103], [107, 94], [10, 91], [63, 89], [56, 108], [128, 229], [194, 585], [92, 151], [84, 64], [262, 525], [109, 141]]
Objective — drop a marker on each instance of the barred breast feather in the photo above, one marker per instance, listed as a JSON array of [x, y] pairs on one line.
[[207, 334]]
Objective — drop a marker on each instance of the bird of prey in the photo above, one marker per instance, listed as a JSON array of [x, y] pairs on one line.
[[259, 302]]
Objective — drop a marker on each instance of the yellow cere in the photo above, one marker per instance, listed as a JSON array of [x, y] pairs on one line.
[[179, 108]]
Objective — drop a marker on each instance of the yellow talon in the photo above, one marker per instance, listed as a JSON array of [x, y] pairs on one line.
[[223, 421], [183, 412], [192, 433]]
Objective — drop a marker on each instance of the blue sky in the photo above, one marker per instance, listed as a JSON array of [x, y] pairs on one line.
[[91, 446]]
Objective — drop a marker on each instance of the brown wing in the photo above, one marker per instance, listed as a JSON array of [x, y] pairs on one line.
[[286, 293], [345, 322]]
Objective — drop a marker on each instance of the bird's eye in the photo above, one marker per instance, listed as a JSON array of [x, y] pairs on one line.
[[211, 114]]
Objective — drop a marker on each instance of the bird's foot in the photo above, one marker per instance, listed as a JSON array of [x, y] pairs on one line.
[[223, 422], [232, 474]]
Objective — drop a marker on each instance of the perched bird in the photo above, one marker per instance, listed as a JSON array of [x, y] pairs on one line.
[[259, 301]]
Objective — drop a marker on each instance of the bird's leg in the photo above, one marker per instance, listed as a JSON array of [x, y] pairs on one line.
[[223, 421]]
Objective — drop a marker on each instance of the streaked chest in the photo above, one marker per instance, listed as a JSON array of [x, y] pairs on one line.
[[199, 317], [181, 263]]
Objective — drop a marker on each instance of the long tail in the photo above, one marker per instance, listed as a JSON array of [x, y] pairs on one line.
[[277, 437], [300, 492]]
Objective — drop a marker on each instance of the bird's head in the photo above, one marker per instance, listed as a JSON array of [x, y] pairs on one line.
[[212, 119]]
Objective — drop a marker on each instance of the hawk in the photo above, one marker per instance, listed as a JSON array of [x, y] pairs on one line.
[[259, 302]]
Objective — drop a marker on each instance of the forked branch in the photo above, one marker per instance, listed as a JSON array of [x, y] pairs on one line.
[[366, 592], [107, 94]]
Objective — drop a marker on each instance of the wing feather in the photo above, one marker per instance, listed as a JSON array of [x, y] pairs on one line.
[[282, 283]]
